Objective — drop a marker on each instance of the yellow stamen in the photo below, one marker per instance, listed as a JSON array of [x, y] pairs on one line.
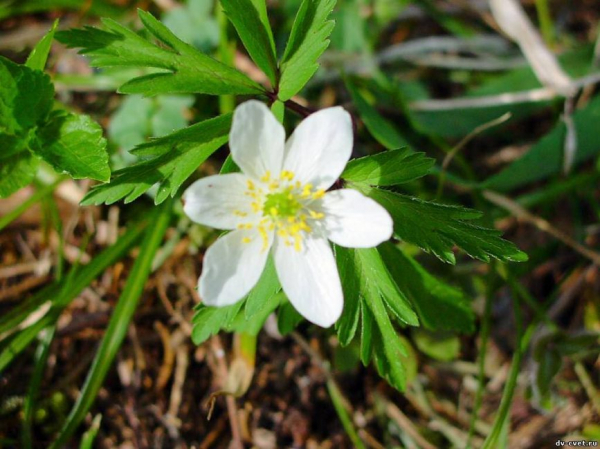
[[297, 243], [316, 215], [306, 191], [286, 175], [265, 237], [246, 240], [267, 177], [318, 194]]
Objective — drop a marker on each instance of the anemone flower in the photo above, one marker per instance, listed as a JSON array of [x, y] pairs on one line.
[[279, 205]]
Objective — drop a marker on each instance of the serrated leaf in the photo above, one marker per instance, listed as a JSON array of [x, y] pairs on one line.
[[175, 158], [388, 353], [39, 55], [439, 305], [73, 144], [16, 171], [378, 296], [185, 69], [208, 321], [388, 168], [436, 228], [267, 286], [380, 128], [308, 40], [26, 97], [254, 33]]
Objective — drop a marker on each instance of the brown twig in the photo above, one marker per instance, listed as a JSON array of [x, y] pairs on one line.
[[234, 422]]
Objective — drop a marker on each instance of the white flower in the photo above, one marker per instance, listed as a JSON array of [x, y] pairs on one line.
[[279, 204]]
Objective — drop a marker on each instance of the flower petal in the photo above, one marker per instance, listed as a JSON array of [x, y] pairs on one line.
[[320, 147], [310, 280], [219, 201], [232, 267], [355, 221], [256, 139]]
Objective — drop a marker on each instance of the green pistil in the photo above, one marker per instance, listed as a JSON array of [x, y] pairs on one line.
[[281, 204]]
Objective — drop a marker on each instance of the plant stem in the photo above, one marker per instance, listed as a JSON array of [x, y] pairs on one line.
[[545, 19]]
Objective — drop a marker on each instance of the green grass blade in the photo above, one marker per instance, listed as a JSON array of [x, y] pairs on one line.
[[19, 313], [87, 442], [40, 359], [338, 403], [23, 339], [523, 339], [119, 323]]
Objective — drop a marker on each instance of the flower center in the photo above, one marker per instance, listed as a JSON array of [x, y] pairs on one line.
[[286, 209], [281, 204]]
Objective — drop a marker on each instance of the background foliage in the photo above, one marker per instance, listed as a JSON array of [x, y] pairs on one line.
[[452, 137]]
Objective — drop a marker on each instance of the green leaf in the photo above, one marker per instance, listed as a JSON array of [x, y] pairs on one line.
[[547, 155], [96, 7], [388, 350], [366, 338], [267, 286], [549, 364], [73, 144], [193, 23], [26, 97], [16, 171], [253, 325], [380, 128], [183, 68], [39, 55], [439, 305], [347, 325], [208, 321], [349, 34], [139, 117], [372, 279], [254, 33], [174, 158], [436, 228], [288, 318], [388, 168], [372, 287], [229, 166], [261, 8], [441, 346], [308, 40]]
